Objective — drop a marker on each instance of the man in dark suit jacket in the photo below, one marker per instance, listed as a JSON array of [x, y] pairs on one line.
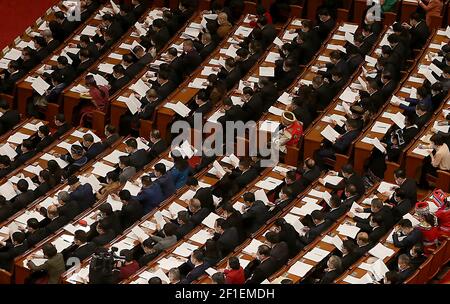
[[82, 194], [320, 224], [66, 206], [323, 91], [336, 208], [419, 31], [226, 237], [199, 267], [286, 71], [80, 249], [405, 269], [25, 197], [131, 210], [184, 224], [406, 236], [164, 86], [138, 158], [83, 62], [111, 136], [268, 31], [340, 145], [232, 112], [190, 58], [9, 119], [333, 270], [157, 145], [350, 177], [244, 174], [364, 244], [230, 73], [105, 233], [198, 214], [207, 46], [256, 213], [407, 185], [204, 195], [262, 267], [62, 126], [92, 149], [150, 196], [326, 23], [34, 233], [57, 221], [378, 229], [9, 77], [10, 250], [279, 250], [118, 79]]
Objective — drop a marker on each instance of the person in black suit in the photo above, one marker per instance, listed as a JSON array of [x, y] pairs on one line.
[[405, 269], [105, 233], [226, 237], [130, 123], [6, 209], [118, 79], [230, 74], [268, 31], [45, 181], [253, 104], [399, 203], [207, 45], [373, 99], [349, 256], [52, 44], [323, 91], [92, 149], [369, 39], [184, 224], [203, 106], [57, 221], [198, 214], [12, 249], [82, 194], [67, 207], [363, 244], [62, 126], [407, 185], [137, 156], [157, 145], [349, 177], [285, 197], [9, 117], [244, 61], [325, 23], [286, 71], [232, 112], [10, 76], [351, 196], [44, 138], [406, 236], [338, 63], [376, 207], [131, 210], [279, 249], [262, 267], [198, 267], [83, 61], [288, 234], [255, 213], [417, 256], [340, 145], [320, 224], [336, 208], [190, 58], [34, 233], [376, 222], [25, 197], [160, 34], [333, 270], [86, 43], [111, 136], [80, 248], [418, 29], [236, 179], [143, 58], [41, 51], [164, 85], [204, 195]]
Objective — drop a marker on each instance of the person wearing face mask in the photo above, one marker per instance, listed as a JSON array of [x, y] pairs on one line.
[[43, 138], [230, 73], [25, 151], [286, 71], [66, 206], [417, 256], [82, 194], [422, 96], [349, 256], [113, 217], [10, 76], [45, 183], [202, 107], [190, 57], [319, 225], [126, 171], [438, 95], [372, 100], [439, 159], [376, 208], [363, 244], [285, 196], [33, 232], [83, 61], [349, 177]]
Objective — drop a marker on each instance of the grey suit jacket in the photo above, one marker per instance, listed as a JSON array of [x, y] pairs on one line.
[[127, 174]]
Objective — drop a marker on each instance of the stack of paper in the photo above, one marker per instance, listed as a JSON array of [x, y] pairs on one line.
[[252, 248], [348, 230], [300, 269], [380, 251], [210, 220]]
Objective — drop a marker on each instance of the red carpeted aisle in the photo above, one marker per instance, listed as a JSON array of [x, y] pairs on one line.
[[17, 15]]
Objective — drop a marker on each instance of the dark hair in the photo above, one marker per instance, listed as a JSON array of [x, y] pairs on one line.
[[155, 281], [22, 185], [161, 168], [125, 195], [49, 250], [405, 223], [81, 236], [249, 197], [234, 263], [132, 143]]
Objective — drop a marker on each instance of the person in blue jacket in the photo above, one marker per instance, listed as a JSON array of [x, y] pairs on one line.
[[150, 196]]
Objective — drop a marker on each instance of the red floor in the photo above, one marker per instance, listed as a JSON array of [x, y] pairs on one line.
[[17, 15]]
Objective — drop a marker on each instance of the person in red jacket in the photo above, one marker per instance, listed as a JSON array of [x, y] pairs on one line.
[[235, 273], [430, 231], [129, 267], [443, 217]]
